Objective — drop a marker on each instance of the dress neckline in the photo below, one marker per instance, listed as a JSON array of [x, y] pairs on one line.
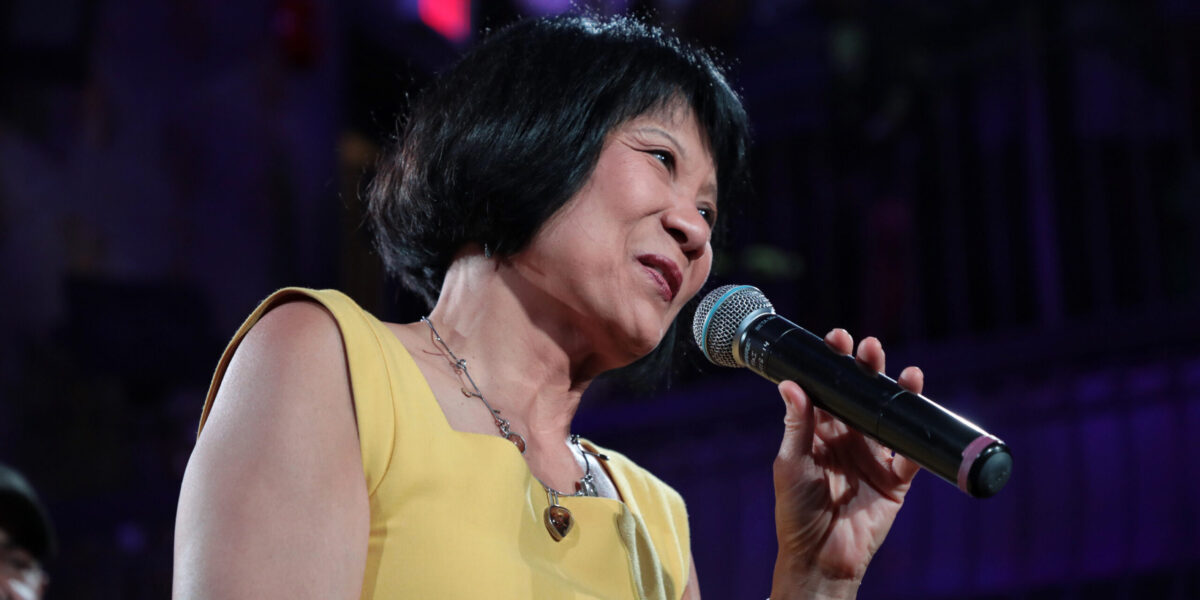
[[507, 447]]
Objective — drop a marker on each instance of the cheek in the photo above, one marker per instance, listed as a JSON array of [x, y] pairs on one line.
[[703, 268]]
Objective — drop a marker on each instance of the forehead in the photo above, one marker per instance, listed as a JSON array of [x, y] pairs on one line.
[[676, 117]]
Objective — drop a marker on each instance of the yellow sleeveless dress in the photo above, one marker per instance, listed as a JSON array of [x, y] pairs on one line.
[[459, 515]]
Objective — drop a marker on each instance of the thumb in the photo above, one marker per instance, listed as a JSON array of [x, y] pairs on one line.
[[799, 422]]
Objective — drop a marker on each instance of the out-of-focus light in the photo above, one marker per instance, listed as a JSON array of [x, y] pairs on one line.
[[541, 8], [451, 18]]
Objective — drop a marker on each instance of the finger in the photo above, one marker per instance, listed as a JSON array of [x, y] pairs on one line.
[[828, 426], [904, 468], [870, 353], [912, 379], [798, 421], [840, 341]]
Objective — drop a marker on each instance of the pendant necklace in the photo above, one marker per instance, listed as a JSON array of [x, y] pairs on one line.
[[556, 516]]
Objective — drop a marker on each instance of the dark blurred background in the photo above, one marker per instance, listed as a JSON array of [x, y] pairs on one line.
[[1006, 192]]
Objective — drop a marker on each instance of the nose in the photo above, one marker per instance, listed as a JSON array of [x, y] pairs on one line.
[[688, 228]]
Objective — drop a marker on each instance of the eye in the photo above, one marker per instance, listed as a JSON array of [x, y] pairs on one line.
[[709, 215], [665, 158]]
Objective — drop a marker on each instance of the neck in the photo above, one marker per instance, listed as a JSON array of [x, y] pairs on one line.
[[530, 362]]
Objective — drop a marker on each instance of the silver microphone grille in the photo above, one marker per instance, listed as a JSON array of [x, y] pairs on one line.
[[718, 316]]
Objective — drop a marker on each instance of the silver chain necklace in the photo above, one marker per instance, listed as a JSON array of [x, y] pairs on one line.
[[557, 517]]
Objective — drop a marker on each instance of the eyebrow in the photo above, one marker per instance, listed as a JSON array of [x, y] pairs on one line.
[[664, 133]]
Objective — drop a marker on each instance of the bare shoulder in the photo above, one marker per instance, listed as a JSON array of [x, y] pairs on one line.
[[289, 365], [289, 331], [273, 501]]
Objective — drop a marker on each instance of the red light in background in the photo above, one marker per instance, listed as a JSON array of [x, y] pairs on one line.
[[451, 18]]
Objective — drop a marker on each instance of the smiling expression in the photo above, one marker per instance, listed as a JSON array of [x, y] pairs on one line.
[[632, 246]]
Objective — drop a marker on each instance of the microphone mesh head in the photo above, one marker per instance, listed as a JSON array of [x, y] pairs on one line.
[[718, 316]]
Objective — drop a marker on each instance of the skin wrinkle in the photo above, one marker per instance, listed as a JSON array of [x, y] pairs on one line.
[[709, 188]]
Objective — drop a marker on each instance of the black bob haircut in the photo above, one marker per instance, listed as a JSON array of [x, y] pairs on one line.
[[507, 136]]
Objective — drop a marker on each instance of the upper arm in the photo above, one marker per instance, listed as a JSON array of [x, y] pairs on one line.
[[692, 591], [274, 500]]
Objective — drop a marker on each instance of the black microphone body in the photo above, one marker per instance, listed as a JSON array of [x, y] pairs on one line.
[[910, 424]]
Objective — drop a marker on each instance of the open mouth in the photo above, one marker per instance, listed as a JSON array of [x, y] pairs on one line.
[[664, 271]]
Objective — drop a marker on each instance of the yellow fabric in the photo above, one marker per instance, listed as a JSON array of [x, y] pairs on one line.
[[459, 515]]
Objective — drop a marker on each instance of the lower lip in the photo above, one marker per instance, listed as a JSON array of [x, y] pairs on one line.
[[664, 289]]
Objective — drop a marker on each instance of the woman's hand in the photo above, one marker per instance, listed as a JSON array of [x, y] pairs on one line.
[[836, 490]]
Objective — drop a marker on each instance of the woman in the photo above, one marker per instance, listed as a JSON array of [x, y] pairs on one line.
[[554, 197]]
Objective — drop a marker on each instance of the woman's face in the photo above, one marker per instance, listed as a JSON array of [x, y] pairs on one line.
[[632, 246]]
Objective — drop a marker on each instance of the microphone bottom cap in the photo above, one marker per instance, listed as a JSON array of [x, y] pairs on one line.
[[990, 471]]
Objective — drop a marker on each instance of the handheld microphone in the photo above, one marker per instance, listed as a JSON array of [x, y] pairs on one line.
[[736, 326]]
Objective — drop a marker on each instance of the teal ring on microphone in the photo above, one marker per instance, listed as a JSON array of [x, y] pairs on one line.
[[708, 318]]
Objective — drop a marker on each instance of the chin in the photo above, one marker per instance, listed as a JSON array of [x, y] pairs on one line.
[[639, 351], [635, 329], [645, 338]]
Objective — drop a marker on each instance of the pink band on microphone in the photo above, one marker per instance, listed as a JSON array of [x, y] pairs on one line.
[[974, 449]]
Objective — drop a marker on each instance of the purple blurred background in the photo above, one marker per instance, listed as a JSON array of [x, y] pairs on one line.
[[1007, 193]]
